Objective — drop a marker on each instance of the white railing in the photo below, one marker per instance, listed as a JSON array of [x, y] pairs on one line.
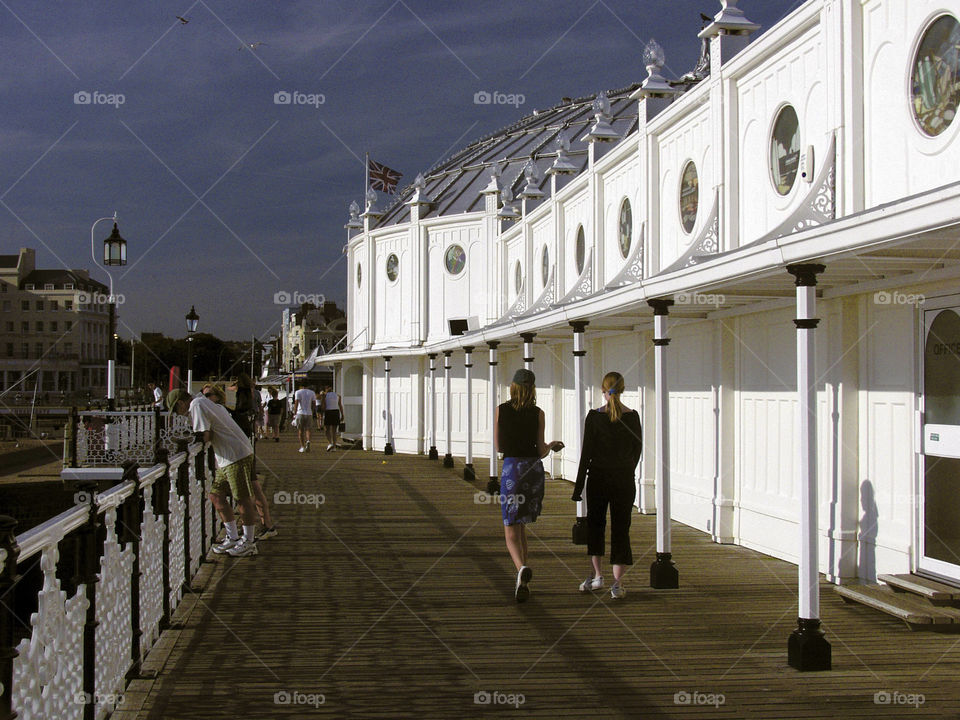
[[158, 526], [96, 438]]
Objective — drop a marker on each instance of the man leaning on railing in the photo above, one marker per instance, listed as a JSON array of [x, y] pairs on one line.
[[234, 456]]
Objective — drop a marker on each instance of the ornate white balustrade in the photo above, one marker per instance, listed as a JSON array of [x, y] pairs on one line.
[[109, 439], [159, 524]]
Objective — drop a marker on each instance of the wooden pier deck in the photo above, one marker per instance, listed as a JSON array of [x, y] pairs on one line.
[[393, 598]]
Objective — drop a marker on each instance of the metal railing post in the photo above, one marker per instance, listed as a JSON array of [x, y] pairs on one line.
[[9, 555], [131, 513], [183, 490], [86, 575], [161, 508]]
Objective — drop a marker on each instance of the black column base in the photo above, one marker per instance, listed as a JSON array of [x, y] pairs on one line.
[[448, 460], [663, 575], [433, 454], [580, 531], [388, 449], [468, 473], [807, 648]]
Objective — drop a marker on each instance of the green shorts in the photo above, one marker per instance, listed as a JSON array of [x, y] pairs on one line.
[[235, 479]]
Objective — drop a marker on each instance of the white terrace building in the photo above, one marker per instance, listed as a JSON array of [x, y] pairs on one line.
[[829, 140]]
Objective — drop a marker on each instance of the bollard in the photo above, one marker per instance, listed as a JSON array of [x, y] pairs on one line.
[[9, 555]]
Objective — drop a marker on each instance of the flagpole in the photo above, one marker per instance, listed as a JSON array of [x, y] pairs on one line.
[[366, 176]]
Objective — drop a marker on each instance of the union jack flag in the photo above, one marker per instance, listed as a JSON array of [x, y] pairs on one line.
[[383, 178]]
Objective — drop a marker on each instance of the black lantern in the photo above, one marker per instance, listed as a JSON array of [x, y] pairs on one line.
[[115, 249], [192, 320]]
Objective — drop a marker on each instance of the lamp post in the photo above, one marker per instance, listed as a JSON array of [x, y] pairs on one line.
[[192, 320], [114, 254]]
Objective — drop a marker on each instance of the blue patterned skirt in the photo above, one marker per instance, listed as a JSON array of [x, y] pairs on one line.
[[521, 490]]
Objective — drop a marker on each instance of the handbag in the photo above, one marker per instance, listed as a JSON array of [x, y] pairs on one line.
[[580, 531], [295, 422], [342, 427]]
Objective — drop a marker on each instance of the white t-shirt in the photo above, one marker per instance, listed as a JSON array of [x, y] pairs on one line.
[[331, 401], [228, 441], [157, 396], [305, 398]]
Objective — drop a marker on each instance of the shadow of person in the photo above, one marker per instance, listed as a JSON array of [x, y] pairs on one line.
[[867, 560]]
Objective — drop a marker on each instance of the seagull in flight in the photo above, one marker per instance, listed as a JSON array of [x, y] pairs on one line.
[[183, 20], [252, 46]]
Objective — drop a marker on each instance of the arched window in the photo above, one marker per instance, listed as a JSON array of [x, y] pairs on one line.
[[625, 228], [689, 196], [934, 90], [545, 264], [580, 250], [785, 150], [393, 267]]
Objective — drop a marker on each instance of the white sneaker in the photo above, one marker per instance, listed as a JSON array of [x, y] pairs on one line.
[[329, 447], [226, 545], [243, 549], [522, 592], [302, 450], [617, 591], [592, 583], [306, 447]]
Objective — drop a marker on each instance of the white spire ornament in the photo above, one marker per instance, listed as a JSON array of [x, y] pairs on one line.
[[562, 165], [655, 84], [601, 130], [508, 211], [354, 223], [531, 190], [372, 203], [419, 196]]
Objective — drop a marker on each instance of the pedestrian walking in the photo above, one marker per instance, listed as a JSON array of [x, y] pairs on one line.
[[234, 457], [332, 408], [304, 410], [519, 436], [156, 393], [274, 414], [612, 444]]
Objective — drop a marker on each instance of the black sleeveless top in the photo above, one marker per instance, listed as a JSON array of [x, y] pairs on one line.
[[517, 431]]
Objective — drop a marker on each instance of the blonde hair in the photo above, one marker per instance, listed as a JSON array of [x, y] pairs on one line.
[[613, 381], [522, 395]]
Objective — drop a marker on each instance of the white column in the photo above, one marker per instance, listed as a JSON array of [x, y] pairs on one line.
[[492, 398], [468, 471], [528, 349], [663, 574], [433, 406], [807, 648], [579, 352], [448, 457], [388, 446]]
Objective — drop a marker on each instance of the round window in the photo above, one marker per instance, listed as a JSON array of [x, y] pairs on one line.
[[517, 278], [359, 274], [455, 259], [545, 264], [626, 228], [393, 265], [785, 150], [689, 197], [580, 250], [935, 85]]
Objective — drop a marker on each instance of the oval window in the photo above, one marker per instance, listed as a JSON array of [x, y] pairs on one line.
[[359, 274], [785, 150], [455, 259], [517, 278], [625, 233], [545, 264], [580, 250], [935, 85], [393, 266], [689, 197]]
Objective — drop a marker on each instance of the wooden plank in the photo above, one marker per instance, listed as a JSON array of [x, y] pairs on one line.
[[930, 589]]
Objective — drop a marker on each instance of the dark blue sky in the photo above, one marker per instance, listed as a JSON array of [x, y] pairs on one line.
[[198, 119]]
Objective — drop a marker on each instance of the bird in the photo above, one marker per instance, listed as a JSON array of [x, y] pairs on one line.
[[183, 20], [252, 46]]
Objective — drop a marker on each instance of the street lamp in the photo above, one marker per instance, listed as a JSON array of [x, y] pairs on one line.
[[114, 255], [192, 319], [294, 351]]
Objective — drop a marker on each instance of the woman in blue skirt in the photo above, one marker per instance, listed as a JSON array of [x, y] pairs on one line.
[[519, 436]]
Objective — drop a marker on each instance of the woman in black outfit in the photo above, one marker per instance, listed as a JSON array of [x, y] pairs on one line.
[[519, 426], [612, 444]]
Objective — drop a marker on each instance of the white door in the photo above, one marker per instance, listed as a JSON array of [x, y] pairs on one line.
[[939, 526]]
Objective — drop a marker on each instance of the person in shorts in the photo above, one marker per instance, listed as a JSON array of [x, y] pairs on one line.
[[234, 456], [519, 426], [304, 410], [274, 411], [332, 407]]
